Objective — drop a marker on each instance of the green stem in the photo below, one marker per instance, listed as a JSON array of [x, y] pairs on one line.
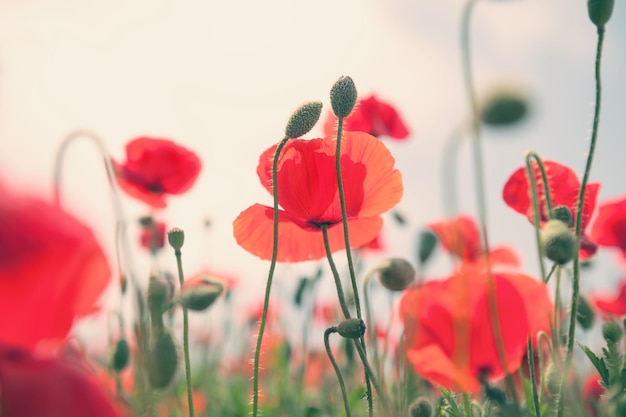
[[268, 286], [342, 384], [533, 378], [467, 405], [370, 373], [535, 202], [449, 170], [181, 279], [480, 191], [579, 215], [369, 318]]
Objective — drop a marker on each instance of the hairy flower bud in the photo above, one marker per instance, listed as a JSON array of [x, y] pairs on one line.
[[303, 119], [396, 274], [161, 359], [352, 328], [600, 11], [199, 293], [612, 332], [120, 357], [158, 292], [559, 244], [176, 237], [343, 96], [564, 214], [503, 107], [421, 408], [586, 316]]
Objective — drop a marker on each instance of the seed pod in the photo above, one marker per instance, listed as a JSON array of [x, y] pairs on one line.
[[303, 119], [600, 11], [176, 238], [352, 328], [504, 107], [161, 359], [396, 274]]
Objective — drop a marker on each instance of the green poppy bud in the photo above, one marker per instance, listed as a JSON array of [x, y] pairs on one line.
[[553, 380], [161, 359], [352, 328], [176, 237], [396, 274], [120, 357], [600, 11], [586, 316], [503, 107], [564, 214], [303, 119], [559, 244], [421, 408], [612, 332], [343, 96], [427, 242], [199, 293]]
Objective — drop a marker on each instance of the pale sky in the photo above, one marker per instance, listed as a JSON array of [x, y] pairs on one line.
[[221, 78]]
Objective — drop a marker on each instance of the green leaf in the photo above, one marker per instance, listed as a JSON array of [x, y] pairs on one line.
[[598, 363]]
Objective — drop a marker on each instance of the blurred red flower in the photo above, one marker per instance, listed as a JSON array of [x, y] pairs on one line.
[[449, 338], [614, 304], [372, 116], [52, 271], [564, 187], [152, 236], [155, 168], [309, 198], [609, 226], [592, 394], [461, 238], [36, 387]]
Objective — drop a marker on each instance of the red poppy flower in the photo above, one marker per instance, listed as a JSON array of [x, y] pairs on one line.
[[152, 236], [592, 394], [461, 238], [155, 168], [52, 271], [449, 336], [308, 195], [37, 387], [609, 227], [372, 116], [564, 187], [614, 305]]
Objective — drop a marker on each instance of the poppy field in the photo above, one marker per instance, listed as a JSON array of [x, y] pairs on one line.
[[86, 331]]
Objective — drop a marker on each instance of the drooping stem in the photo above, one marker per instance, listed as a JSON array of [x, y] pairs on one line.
[[342, 384], [579, 215], [535, 201], [270, 278], [475, 129], [181, 280]]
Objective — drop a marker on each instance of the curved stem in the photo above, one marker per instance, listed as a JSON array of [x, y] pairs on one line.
[[579, 215], [124, 262], [342, 384], [268, 286], [181, 280], [480, 190]]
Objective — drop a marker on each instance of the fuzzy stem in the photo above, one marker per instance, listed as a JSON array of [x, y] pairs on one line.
[[181, 280], [370, 373], [533, 378], [579, 215], [342, 384], [268, 286]]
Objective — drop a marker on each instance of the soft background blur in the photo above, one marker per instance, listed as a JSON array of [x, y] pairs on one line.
[[221, 78]]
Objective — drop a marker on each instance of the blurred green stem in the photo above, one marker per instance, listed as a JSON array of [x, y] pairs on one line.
[[181, 280], [342, 384]]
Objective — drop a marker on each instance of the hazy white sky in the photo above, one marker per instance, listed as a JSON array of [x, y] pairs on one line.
[[221, 78]]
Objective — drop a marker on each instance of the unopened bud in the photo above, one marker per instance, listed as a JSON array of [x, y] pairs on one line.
[[158, 292], [612, 332], [303, 119], [120, 355], [553, 380], [586, 316], [421, 408], [504, 107], [352, 328], [198, 293], [343, 96], [176, 237], [600, 11], [427, 242], [564, 214], [559, 244], [161, 359], [396, 274]]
